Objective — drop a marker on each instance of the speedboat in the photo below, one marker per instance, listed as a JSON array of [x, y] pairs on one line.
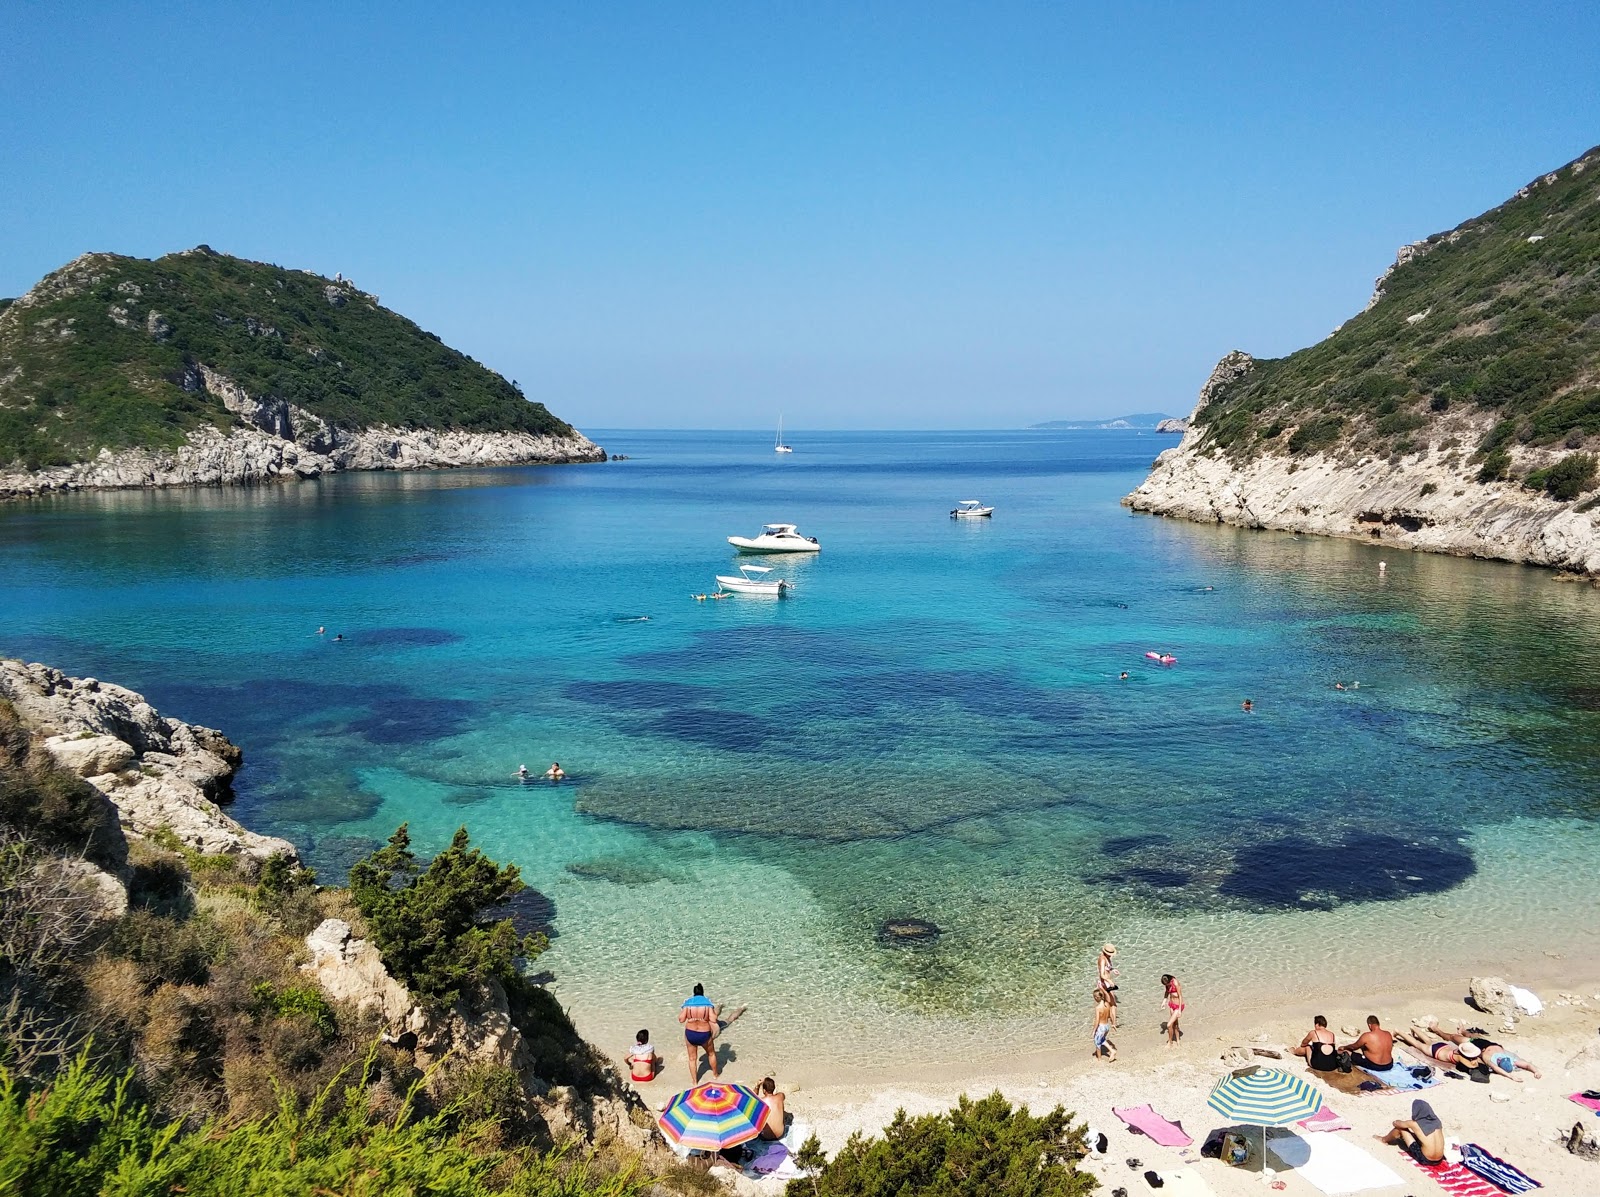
[[969, 508], [745, 583], [776, 538]]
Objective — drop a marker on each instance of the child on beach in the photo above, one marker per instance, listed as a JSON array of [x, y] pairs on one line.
[[642, 1058], [1103, 1047]]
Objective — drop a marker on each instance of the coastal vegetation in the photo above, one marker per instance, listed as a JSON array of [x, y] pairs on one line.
[[1497, 319], [104, 354]]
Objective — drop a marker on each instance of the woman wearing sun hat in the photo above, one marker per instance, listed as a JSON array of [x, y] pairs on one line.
[[1106, 973]]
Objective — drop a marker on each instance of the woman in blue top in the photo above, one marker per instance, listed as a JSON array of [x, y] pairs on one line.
[[699, 1019]]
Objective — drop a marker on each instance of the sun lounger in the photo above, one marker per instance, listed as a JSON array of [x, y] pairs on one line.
[[1323, 1120], [1456, 1180], [1147, 1122], [1331, 1164], [1496, 1171]]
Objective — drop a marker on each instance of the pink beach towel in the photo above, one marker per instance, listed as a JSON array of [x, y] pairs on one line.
[[1457, 1180], [1147, 1122], [1324, 1120], [1587, 1103]]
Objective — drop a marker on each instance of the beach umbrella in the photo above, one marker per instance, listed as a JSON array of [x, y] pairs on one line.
[[713, 1116], [1264, 1097]]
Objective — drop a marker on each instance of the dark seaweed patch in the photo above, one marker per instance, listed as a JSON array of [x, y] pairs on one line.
[[411, 719], [1298, 872], [733, 731], [1126, 845], [643, 694], [530, 912], [1160, 878], [406, 637], [465, 797]]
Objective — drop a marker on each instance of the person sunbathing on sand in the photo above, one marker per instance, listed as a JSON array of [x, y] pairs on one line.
[[1466, 1056], [1375, 1049], [1496, 1057], [767, 1091], [1421, 1136]]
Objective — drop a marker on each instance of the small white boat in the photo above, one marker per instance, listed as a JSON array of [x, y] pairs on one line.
[[970, 508], [746, 584], [776, 538], [777, 445]]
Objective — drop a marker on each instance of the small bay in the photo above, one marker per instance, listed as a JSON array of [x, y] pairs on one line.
[[932, 728]]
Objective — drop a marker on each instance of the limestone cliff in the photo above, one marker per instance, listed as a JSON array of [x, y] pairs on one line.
[[1458, 413], [160, 774]]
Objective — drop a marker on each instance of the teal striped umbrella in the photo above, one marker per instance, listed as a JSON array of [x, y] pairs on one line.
[[713, 1116], [1264, 1097]]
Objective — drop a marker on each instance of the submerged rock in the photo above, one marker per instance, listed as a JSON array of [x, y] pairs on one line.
[[896, 933]]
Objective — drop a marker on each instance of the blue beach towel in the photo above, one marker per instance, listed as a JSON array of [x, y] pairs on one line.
[[1398, 1076], [1496, 1171]]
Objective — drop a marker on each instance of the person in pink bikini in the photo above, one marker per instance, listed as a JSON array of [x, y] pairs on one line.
[[1175, 1007]]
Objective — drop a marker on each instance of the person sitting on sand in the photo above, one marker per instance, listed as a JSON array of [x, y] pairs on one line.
[[699, 1019], [1466, 1056], [1318, 1048], [767, 1091], [555, 772], [642, 1058], [1103, 1011], [1496, 1057], [1421, 1136], [1374, 1050]]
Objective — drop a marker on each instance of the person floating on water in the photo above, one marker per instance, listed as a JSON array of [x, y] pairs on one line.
[[521, 773], [1124, 676], [1248, 707], [321, 631], [555, 772], [339, 636]]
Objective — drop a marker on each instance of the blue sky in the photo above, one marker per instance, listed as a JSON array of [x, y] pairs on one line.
[[859, 215]]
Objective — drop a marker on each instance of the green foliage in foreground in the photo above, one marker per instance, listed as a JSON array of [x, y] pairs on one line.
[[103, 354], [978, 1149], [87, 1135], [1509, 323], [430, 927]]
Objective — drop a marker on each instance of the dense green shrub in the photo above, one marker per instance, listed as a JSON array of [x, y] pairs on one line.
[[48, 805], [87, 1134], [1496, 465], [978, 1149], [429, 926], [1315, 433], [1567, 479]]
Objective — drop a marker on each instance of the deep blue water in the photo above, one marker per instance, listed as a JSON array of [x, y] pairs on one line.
[[933, 725]]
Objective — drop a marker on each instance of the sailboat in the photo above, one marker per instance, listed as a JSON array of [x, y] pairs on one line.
[[778, 446]]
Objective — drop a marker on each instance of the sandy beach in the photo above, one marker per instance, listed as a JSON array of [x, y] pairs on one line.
[[1525, 1124]]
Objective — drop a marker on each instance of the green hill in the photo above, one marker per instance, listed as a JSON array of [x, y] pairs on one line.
[[1499, 317], [103, 354]]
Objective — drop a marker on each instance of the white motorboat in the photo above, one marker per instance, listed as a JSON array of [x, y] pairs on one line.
[[777, 445], [776, 538], [970, 508], [745, 583]]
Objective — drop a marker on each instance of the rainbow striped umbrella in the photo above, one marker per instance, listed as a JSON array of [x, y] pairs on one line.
[[713, 1116]]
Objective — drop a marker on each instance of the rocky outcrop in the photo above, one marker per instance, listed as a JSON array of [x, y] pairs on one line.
[[158, 773], [275, 440], [475, 1031], [1428, 500], [1492, 996], [1174, 424]]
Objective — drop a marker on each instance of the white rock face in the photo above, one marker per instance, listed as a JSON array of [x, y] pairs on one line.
[[1374, 499], [351, 970], [157, 772]]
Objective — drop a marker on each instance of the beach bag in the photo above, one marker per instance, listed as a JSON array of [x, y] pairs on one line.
[[1235, 1150], [1346, 1061]]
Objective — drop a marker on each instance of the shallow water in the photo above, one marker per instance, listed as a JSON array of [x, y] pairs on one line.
[[933, 727]]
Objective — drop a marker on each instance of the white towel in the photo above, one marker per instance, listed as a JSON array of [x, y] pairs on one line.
[[1527, 1001], [1331, 1164], [1180, 1182]]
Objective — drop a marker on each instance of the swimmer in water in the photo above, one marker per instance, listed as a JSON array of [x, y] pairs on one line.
[[321, 631], [1248, 707], [1124, 676], [1338, 685], [555, 771], [339, 636], [522, 772]]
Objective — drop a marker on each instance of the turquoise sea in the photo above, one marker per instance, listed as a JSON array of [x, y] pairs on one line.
[[933, 727]]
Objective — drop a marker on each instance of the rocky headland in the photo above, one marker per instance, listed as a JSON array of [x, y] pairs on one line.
[[200, 369], [1459, 412]]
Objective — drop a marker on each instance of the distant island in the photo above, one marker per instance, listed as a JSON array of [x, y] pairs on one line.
[[201, 368], [1458, 412], [1147, 421]]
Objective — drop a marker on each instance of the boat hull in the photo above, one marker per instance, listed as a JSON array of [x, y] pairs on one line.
[[744, 586], [746, 544], [980, 513]]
